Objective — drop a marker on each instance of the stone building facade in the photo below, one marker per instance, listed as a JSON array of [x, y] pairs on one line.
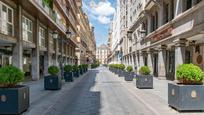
[[35, 34], [102, 53], [161, 34], [165, 34]]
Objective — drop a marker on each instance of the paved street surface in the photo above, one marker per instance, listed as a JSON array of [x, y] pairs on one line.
[[100, 92]]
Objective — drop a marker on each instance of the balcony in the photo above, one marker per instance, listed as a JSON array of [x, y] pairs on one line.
[[150, 3], [47, 9]]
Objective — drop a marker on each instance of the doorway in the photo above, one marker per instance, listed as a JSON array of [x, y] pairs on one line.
[[170, 71], [155, 65]]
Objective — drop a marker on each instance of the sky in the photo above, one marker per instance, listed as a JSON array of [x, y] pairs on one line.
[[100, 13]]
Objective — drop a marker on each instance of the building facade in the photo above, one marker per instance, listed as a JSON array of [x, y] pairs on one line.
[[165, 34], [102, 53], [114, 57], [161, 34], [35, 34]]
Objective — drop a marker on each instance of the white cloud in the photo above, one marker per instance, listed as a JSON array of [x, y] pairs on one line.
[[104, 19], [101, 11]]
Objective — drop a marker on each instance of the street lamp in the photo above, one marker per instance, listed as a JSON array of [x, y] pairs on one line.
[[55, 35], [68, 34]]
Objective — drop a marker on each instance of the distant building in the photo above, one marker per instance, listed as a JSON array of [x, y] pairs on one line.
[[102, 53]]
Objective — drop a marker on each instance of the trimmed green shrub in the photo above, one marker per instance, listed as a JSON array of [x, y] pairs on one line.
[[10, 76], [68, 68], [129, 69], [53, 70], [95, 65], [144, 70], [75, 68], [121, 66], [189, 74]]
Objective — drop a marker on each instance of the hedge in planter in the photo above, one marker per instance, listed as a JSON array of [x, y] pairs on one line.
[[14, 98], [52, 81], [121, 68], [188, 93], [75, 69], [68, 73], [128, 74], [144, 79]]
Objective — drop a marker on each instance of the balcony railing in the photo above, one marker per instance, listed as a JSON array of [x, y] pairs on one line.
[[47, 9]]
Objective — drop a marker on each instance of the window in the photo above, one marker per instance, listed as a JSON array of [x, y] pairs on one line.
[[42, 36], [51, 41], [6, 19], [27, 29], [188, 4], [166, 13]]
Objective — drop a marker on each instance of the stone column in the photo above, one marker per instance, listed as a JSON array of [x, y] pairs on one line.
[[141, 59], [56, 52], [149, 24], [162, 62], [36, 55], [48, 56], [179, 52], [133, 62], [149, 60], [17, 54]]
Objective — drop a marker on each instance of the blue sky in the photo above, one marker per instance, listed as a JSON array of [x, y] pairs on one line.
[[100, 13]]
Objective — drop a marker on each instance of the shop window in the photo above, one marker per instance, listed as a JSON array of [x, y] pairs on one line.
[[27, 29], [6, 19]]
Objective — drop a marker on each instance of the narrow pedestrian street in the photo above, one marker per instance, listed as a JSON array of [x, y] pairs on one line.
[[100, 92]]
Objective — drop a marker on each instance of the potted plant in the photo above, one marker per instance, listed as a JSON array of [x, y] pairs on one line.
[[68, 73], [188, 92], [144, 79], [121, 68], [52, 81], [128, 73], [14, 98], [75, 70]]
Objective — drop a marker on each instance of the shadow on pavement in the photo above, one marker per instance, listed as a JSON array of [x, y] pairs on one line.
[[81, 99]]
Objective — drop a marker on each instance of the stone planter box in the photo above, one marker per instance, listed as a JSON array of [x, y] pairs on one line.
[[144, 82], [68, 77], [128, 76], [186, 97], [14, 100], [76, 74], [52, 82], [120, 73]]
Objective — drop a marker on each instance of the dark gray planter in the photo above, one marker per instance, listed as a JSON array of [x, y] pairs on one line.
[[186, 97], [76, 74], [14, 100], [144, 81], [128, 76], [52, 82], [68, 77], [121, 73]]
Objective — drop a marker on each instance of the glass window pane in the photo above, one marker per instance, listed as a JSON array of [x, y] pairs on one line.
[[10, 15], [4, 8]]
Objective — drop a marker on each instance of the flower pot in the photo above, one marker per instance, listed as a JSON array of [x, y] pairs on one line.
[[68, 77], [52, 82], [144, 81], [128, 76], [14, 100], [186, 97]]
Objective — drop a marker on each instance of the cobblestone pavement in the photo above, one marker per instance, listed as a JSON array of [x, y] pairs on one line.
[[100, 92]]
